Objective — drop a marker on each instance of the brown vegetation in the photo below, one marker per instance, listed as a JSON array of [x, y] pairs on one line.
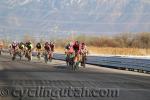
[[119, 44]]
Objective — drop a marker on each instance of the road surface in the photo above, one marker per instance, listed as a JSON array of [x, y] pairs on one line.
[[135, 63], [22, 74]]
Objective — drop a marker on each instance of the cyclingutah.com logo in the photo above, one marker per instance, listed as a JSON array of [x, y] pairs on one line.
[[55, 92]]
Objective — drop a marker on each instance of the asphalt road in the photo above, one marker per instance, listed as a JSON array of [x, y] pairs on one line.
[[115, 61], [23, 74]]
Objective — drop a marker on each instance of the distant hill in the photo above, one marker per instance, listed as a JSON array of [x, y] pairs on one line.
[[61, 17]]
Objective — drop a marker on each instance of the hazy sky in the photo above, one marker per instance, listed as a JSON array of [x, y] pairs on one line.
[[58, 18]]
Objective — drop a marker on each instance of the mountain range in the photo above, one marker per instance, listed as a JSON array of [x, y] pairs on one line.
[[59, 18]]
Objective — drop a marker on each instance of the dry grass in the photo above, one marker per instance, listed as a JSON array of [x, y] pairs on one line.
[[120, 51], [114, 51], [59, 49], [111, 51]]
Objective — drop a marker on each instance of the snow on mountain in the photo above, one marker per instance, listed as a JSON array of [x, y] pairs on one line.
[[60, 17]]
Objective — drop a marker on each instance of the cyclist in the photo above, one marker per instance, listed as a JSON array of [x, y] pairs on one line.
[[21, 49], [47, 50], [29, 46], [83, 52], [21, 46], [28, 51], [47, 47], [38, 46], [1, 47], [14, 49], [14, 45], [52, 46], [84, 48], [77, 48], [38, 49], [69, 48], [69, 53]]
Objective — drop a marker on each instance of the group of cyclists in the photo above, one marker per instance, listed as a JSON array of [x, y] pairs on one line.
[[26, 48], [48, 50], [20, 49], [75, 52]]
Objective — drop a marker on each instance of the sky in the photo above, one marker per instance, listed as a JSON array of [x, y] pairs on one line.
[[60, 18]]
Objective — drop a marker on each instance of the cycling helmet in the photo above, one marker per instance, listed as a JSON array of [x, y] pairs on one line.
[[71, 43], [83, 43], [46, 43], [77, 42]]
